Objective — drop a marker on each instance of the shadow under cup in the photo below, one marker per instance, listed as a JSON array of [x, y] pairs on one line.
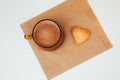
[[48, 34]]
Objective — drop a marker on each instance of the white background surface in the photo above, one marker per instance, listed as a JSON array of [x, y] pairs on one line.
[[17, 60]]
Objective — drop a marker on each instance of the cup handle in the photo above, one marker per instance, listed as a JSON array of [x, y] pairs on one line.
[[27, 36]]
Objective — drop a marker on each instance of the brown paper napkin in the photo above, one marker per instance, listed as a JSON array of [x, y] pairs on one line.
[[69, 14]]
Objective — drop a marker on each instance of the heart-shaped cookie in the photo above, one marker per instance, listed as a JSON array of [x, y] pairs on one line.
[[80, 35]]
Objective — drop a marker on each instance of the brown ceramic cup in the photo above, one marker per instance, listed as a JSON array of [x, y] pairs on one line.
[[47, 34]]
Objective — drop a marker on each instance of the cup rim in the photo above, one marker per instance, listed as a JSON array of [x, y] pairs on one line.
[[61, 33]]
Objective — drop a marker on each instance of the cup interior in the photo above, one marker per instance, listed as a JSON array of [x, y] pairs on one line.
[[46, 33]]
